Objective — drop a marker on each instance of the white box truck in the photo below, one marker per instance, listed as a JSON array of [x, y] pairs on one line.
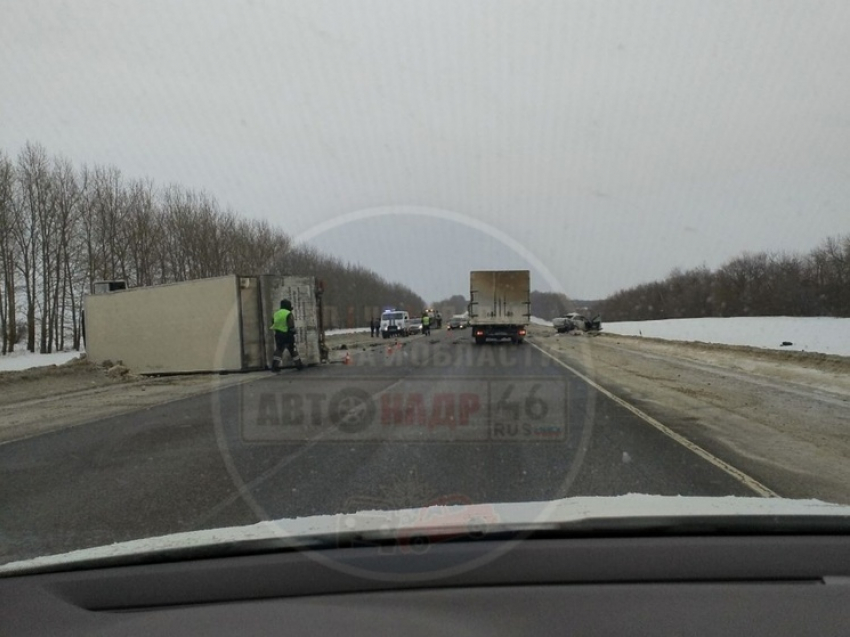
[[499, 304], [220, 324]]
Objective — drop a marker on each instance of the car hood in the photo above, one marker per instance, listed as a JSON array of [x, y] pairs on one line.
[[629, 513]]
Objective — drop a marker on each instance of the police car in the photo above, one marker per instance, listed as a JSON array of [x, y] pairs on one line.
[[395, 323]]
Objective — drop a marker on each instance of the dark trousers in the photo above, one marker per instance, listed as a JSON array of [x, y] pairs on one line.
[[284, 341]]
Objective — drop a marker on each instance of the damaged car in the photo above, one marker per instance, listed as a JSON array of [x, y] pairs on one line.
[[575, 322]]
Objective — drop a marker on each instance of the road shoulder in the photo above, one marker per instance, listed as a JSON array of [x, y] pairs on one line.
[[782, 419], [42, 400]]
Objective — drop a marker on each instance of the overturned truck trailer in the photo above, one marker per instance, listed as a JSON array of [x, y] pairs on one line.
[[220, 324]]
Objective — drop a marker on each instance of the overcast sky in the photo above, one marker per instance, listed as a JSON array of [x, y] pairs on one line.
[[600, 144]]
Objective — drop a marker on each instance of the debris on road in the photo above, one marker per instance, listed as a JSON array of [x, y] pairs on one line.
[[117, 371]]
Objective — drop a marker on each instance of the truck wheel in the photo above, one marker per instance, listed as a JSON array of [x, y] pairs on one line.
[[479, 340]]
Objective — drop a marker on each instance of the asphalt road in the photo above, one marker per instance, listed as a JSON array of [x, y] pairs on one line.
[[432, 419]]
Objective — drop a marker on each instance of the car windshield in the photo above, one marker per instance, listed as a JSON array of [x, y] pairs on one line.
[[208, 214]]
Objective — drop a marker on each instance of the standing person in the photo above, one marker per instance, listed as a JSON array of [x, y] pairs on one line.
[[426, 324], [372, 327], [284, 336]]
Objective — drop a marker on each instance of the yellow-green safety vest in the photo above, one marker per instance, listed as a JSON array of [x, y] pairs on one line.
[[280, 320]]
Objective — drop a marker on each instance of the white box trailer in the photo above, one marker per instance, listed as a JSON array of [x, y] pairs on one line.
[[499, 304], [220, 324], [305, 294]]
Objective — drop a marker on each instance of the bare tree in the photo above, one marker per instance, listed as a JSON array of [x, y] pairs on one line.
[[66, 210], [8, 310], [64, 229], [30, 211], [144, 234]]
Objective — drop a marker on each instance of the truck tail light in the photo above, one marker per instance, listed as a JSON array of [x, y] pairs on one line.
[[522, 332]]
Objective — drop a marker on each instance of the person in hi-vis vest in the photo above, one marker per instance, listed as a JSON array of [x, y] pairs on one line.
[[284, 336]]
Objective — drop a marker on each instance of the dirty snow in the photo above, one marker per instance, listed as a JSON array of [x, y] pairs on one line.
[[20, 360], [808, 334], [353, 330]]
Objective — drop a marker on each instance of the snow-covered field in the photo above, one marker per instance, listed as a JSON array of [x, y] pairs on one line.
[[19, 360], [808, 334]]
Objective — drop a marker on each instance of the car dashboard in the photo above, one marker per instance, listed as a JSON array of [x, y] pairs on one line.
[[659, 585]]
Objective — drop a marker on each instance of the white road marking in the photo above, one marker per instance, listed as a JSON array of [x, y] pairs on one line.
[[739, 475]]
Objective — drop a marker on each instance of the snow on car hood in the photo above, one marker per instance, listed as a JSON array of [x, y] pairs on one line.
[[441, 516]]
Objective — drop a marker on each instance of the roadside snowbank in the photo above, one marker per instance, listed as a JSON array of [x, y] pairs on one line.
[[353, 330], [20, 360], [807, 334]]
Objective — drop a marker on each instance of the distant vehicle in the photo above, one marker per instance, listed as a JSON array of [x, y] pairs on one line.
[[414, 326], [458, 323], [395, 323], [576, 322], [499, 304], [436, 318]]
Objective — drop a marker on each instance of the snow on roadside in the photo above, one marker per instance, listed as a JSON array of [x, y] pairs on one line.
[[353, 330], [540, 321], [20, 360], [807, 334]]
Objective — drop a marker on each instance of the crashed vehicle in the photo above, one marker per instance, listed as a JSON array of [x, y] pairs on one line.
[[414, 326], [458, 322], [575, 322]]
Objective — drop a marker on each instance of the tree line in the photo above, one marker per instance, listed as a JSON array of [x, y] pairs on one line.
[[548, 305], [759, 284], [64, 227], [448, 307]]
